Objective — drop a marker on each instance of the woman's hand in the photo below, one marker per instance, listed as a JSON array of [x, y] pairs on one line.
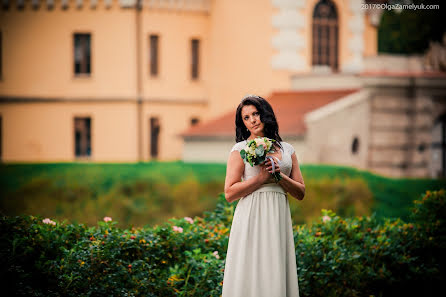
[[294, 184], [265, 175]]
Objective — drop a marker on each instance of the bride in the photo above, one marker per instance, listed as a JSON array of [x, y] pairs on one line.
[[261, 258]]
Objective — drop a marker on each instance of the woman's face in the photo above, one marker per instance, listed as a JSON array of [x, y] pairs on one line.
[[251, 119]]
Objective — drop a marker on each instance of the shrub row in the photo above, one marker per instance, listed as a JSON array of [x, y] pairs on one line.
[[150, 193], [336, 256]]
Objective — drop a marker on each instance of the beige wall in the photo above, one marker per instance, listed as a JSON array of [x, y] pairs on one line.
[[38, 52], [240, 53], [45, 131], [370, 39], [299, 145], [235, 59], [39, 65], [174, 118], [175, 30], [207, 150]]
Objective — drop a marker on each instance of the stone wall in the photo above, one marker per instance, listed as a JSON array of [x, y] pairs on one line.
[[403, 111], [332, 129]]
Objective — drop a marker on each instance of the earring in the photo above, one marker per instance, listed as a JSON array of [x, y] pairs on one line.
[[247, 130]]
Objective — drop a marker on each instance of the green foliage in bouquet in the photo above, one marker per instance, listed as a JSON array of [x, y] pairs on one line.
[[256, 149]]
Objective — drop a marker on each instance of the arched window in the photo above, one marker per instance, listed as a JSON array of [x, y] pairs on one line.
[[325, 34]]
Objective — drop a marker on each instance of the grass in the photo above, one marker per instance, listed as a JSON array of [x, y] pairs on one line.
[[151, 192], [392, 197]]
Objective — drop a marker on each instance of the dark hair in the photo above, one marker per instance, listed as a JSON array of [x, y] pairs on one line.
[[267, 117]]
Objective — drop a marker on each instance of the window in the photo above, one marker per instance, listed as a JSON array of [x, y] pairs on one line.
[[194, 121], [1, 54], [325, 34], [355, 145], [82, 137], [154, 136], [195, 58], [82, 53], [154, 55]]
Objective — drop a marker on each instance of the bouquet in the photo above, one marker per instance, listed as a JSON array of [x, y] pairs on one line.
[[255, 153]]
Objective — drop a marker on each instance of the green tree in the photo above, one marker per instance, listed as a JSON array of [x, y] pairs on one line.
[[410, 31]]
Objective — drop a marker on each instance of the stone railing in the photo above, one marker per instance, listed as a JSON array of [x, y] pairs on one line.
[[394, 63]]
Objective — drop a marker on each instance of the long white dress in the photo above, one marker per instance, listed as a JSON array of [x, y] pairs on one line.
[[261, 259]]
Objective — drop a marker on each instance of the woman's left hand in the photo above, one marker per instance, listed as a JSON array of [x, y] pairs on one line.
[[269, 165]]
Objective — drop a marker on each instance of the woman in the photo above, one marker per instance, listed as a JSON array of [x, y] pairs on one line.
[[261, 258]]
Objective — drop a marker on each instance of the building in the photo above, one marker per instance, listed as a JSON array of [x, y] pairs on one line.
[[389, 119], [101, 80], [134, 80]]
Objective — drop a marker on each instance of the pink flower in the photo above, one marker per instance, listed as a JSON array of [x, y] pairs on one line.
[[189, 219], [216, 254], [326, 219], [107, 219], [48, 221], [177, 229], [260, 141]]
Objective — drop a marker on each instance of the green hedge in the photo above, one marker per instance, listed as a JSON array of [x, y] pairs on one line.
[[135, 193], [150, 193], [359, 256]]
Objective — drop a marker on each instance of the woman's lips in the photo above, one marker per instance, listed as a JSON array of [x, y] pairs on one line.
[[256, 126]]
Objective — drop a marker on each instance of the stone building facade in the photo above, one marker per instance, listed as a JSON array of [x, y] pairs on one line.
[[137, 80]]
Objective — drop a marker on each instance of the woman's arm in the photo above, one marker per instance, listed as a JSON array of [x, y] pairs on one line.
[[294, 184], [234, 187]]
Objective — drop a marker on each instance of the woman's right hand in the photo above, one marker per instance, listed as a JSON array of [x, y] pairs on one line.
[[264, 175]]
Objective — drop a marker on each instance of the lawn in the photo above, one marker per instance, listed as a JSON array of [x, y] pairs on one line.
[[152, 192]]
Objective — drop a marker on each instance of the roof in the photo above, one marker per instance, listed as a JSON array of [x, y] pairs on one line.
[[289, 108]]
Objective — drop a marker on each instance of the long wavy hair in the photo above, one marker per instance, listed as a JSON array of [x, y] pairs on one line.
[[267, 117]]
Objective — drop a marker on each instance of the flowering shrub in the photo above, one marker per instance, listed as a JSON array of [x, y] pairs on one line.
[[185, 256]]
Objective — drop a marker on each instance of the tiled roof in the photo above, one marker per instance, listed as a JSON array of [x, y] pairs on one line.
[[289, 108]]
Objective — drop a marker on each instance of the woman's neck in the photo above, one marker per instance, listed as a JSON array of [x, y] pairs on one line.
[[251, 137]]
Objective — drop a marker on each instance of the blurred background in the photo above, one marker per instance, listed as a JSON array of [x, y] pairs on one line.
[[126, 108]]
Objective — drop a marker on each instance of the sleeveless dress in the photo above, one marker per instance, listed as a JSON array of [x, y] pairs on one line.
[[261, 259]]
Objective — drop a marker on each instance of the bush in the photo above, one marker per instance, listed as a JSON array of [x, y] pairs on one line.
[[71, 260], [336, 256], [348, 197]]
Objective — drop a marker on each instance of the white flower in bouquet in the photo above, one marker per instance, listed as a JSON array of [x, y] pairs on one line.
[[256, 150]]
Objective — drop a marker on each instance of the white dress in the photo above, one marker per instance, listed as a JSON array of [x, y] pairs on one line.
[[261, 259]]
